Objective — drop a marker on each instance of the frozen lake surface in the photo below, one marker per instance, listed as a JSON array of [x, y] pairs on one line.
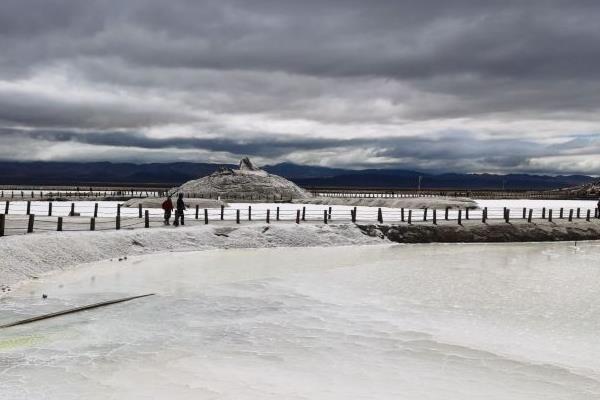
[[507, 321]]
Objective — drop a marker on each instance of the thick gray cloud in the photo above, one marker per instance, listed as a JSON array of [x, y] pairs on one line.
[[462, 85], [469, 152]]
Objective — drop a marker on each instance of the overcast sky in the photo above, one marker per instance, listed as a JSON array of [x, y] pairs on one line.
[[437, 85]]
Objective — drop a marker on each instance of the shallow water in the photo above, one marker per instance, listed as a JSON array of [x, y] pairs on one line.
[[516, 321]]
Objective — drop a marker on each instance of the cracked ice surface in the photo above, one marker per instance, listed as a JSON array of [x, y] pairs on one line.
[[502, 321]]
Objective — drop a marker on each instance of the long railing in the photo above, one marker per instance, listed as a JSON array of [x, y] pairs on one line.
[[126, 193], [476, 194], [60, 216], [74, 194]]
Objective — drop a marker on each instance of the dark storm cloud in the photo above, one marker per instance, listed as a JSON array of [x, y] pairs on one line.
[[521, 40], [468, 151], [348, 68], [39, 109], [262, 147]]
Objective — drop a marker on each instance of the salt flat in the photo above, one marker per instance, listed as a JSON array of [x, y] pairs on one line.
[[516, 321]]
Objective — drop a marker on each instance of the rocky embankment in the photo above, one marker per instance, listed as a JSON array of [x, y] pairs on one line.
[[492, 232]]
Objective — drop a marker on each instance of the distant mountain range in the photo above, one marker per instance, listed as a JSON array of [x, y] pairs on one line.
[[172, 174]]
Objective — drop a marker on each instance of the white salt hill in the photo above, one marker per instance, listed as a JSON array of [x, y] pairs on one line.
[[250, 182], [247, 182]]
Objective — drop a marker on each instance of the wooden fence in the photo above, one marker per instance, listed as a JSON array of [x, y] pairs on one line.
[[476, 194], [95, 193], [46, 195], [96, 220]]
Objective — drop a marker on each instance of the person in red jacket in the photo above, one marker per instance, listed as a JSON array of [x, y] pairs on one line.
[[167, 206]]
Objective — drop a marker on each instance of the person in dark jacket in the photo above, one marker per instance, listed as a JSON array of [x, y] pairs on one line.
[[179, 210], [167, 206]]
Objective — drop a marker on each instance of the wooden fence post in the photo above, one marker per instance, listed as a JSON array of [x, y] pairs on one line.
[[249, 213], [524, 213], [402, 214], [571, 215], [30, 223], [560, 214], [140, 210], [544, 213], [277, 214], [329, 214], [268, 215], [303, 213], [6, 206], [460, 217], [59, 224], [467, 213], [222, 212], [197, 210], [237, 216], [587, 217], [92, 224], [297, 216], [434, 216], [379, 216], [325, 216], [28, 207], [146, 219], [2, 224], [49, 208], [72, 213], [425, 214], [508, 215], [484, 215], [410, 217], [578, 213], [530, 217], [446, 213], [118, 221], [95, 210], [550, 215]]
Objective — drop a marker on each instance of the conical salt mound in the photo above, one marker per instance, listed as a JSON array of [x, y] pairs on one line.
[[247, 182]]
